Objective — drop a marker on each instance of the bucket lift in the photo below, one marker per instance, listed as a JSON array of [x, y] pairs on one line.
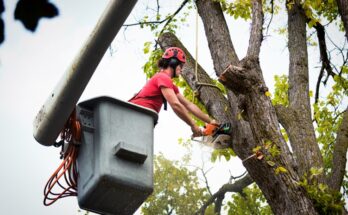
[[114, 162]]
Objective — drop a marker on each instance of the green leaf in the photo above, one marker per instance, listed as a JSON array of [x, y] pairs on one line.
[[280, 169], [271, 163]]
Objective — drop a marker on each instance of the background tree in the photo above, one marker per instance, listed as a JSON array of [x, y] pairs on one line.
[[176, 189], [181, 188]]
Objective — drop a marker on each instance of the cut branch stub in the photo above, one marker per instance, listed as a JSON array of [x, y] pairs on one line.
[[240, 79]]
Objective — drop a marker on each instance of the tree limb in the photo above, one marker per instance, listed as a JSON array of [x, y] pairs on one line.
[[256, 36], [339, 154], [217, 33], [213, 99], [238, 186], [303, 141], [218, 204]]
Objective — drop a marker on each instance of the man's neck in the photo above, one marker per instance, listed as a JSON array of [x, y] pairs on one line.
[[168, 71]]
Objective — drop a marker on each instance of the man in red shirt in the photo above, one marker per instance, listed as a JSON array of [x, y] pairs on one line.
[[161, 89]]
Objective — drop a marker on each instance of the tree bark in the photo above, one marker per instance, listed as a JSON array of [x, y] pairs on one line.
[[339, 155], [343, 11], [256, 30], [215, 26], [301, 131], [220, 44]]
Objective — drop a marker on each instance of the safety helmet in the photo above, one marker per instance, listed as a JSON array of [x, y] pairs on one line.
[[174, 52]]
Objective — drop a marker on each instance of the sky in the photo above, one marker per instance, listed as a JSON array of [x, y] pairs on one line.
[[32, 63]]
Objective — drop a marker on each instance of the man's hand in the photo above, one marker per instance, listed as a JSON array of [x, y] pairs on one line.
[[196, 131], [214, 122]]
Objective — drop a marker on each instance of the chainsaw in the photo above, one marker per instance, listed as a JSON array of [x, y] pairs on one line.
[[216, 136]]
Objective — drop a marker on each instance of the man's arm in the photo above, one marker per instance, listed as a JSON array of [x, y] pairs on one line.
[[180, 109], [194, 109]]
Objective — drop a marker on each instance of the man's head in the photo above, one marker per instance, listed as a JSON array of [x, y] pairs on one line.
[[172, 57]]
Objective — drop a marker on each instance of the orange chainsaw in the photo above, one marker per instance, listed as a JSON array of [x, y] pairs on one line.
[[216, 135]]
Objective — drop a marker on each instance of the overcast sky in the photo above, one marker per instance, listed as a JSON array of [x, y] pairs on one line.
[[32, 63]]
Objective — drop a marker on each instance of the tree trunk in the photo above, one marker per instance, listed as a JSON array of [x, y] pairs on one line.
[[281, 190], [343, 10], [300, 129], [339, 156]]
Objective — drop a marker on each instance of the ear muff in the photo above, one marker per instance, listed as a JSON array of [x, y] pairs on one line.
[[173, 62]]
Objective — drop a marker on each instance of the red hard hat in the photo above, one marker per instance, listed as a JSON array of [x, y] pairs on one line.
[[174, 52]]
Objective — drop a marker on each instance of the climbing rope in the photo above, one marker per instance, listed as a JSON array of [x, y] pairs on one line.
[[70, 135], [199, 84]]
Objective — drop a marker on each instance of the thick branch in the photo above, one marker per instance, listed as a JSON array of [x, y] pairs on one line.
[[219, 41], [216, 30], [214, 101], [256, 29], [304, 143], [339, 154], [236, 78], [218, 204], [238, 186]]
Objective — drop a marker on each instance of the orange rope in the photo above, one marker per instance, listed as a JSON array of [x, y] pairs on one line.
[[70, 134]]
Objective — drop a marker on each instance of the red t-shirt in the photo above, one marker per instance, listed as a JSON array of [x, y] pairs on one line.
[[151, 95]]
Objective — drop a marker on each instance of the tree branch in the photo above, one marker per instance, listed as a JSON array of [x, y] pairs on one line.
[[326, 64], [303, 141], [256, 29], [217, 33], [339, 154], [204, 173], [173, 15], [213, 99], [218, 204], [167, 20], [272, 13], [238, 186]]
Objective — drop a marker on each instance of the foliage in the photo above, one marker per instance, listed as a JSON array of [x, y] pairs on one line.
[[29, 14], [328, 116], [159, 23], [325, 200], [150, 67], [237, 9], [250, 202], [226, 153], [314, 10], [176, 189], [281, 91]]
